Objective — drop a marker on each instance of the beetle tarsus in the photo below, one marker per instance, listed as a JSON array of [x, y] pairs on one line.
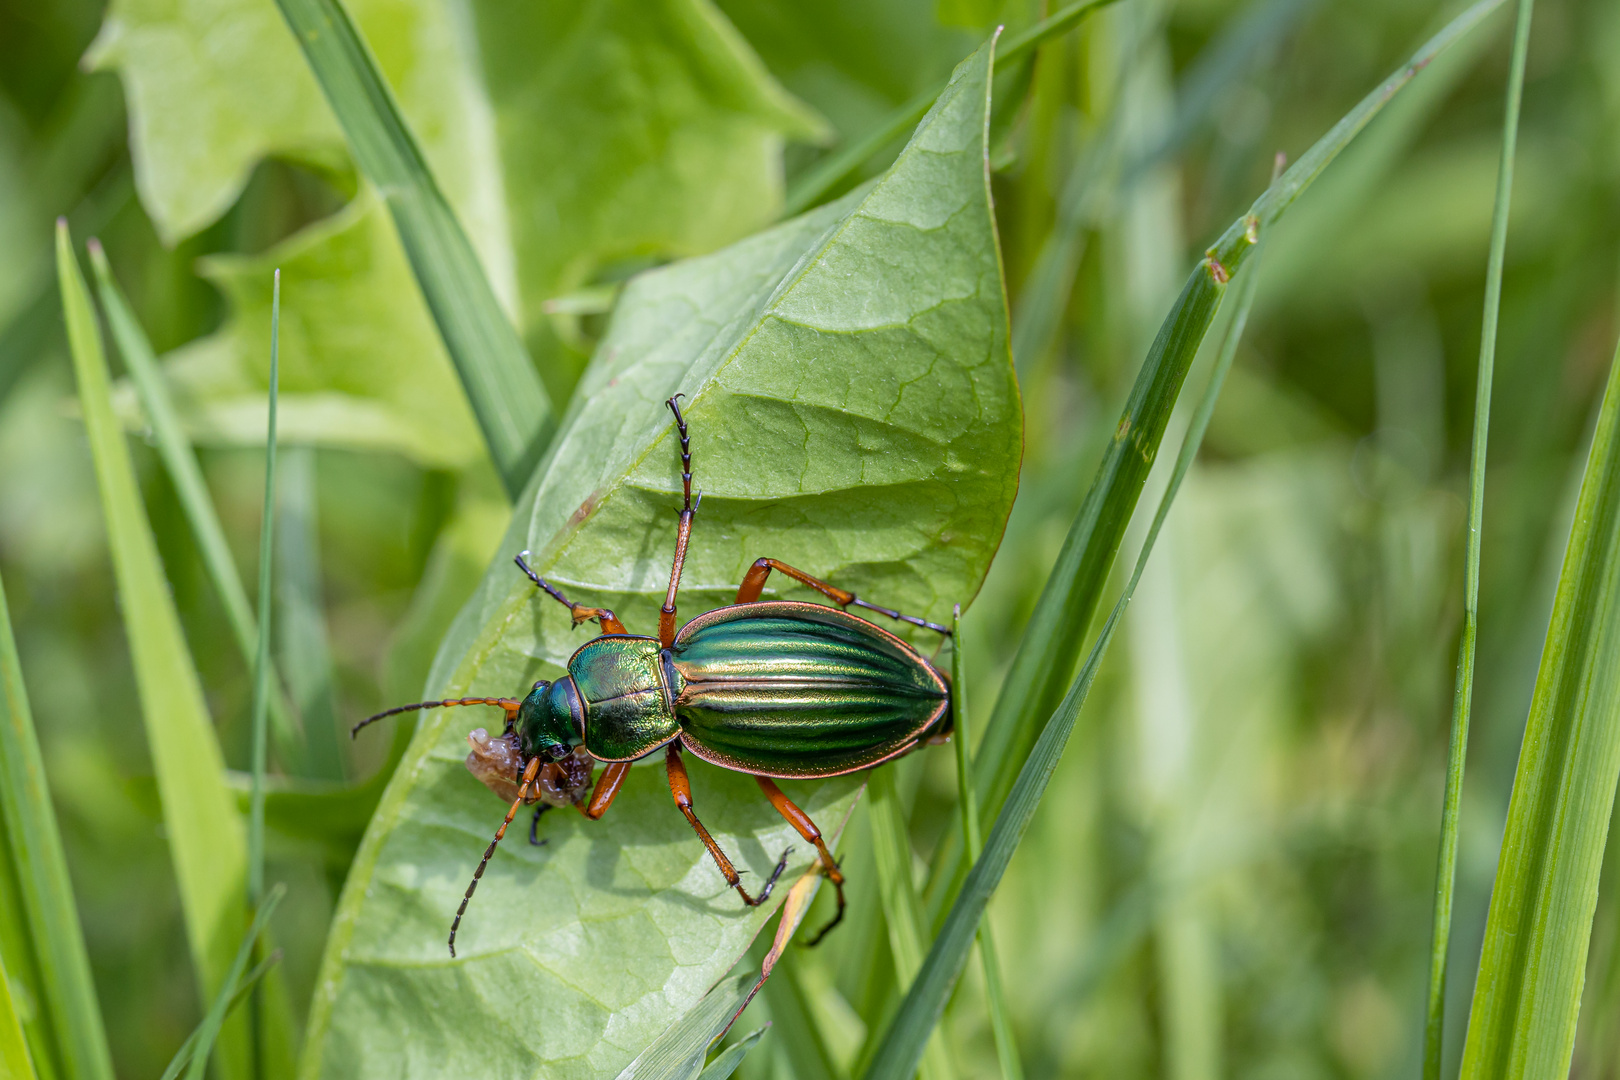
[[534, 825]]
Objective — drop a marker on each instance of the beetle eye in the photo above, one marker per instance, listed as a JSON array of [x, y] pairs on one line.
[[538, 683]]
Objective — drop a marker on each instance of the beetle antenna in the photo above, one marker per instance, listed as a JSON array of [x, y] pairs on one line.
[[489, 852], [511, 705]]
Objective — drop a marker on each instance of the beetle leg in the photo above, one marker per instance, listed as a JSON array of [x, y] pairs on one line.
[[807, 829], [534, 825], [683, 532], [754, 581], [680, 786], [605, 618], [606, 790]]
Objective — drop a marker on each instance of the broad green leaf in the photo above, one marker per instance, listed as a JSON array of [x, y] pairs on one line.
[[214, 87], [1527, 994], [41, 938], [361, 365], [205, 834], [628, 129], [853, 412]]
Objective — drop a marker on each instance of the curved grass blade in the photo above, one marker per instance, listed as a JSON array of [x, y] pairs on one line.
[[1462, 698], [1056, 631], [180, 461], [1532, 966], [205, 834], [512, 406], [726, 1062], [837, 168], [208, 1030], [57, 962], [968, 806], [15, 1064], [902, 1046], [678, 1053], [250, 982]]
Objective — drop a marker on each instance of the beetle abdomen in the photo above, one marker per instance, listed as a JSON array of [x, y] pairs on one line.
[[794, 689]]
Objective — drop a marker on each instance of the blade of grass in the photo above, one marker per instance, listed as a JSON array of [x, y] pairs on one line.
[[678, 1053], [902, 910], [725, 1063], [301, 639], [1462, 698], [249, 983], [512, 406], [205, 835], [261, 666], [968, 804], [180, 461], [15, 1063], [64, 987], [208, 1031], [902, 1046], [795, 1027], [1532, 965], [827, 175], [1056, 631]]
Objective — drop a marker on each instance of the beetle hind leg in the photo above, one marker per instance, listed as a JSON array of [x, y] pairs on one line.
[[754, 582], [680, 786], [807, 828]]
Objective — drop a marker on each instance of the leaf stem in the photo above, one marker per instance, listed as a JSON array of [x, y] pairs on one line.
[[1462, 698]]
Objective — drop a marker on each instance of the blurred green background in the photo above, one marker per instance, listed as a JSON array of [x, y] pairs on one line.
[[1233, 871]]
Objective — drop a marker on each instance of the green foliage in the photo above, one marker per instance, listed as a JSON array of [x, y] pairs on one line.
[[40, 938], [886, 470], [1528, 993]]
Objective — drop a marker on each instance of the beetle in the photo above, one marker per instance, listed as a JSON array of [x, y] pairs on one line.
[[772, 688]]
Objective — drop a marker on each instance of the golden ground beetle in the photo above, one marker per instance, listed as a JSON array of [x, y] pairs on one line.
[[772, 688]]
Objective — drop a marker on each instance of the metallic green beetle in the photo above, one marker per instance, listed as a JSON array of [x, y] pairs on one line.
[[769, 688]]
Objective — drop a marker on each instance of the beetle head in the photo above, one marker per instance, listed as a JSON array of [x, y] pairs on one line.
[[551, 719]]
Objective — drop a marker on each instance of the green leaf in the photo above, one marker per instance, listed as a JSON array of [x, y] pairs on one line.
[[70, 1030], [205, 834], [244, 989], [629, 129], [208, 1030], [512, 407], [180, 461], [853, 413], [259, 738], [362, 366], [1528, 992]]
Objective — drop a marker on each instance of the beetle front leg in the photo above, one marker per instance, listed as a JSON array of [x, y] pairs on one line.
[[754, 581], [680, 786], [605, 618], [606, 790], [807, 829]]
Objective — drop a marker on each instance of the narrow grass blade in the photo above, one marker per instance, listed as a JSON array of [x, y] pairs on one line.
[[505, 391], [795, 1027], [45, 906], [244, 989], [205, 834], [180, 461], [15, 1064], [1462, 698], [261, 666], [725, 1063], [968, 804], [301, 638], [836, 169], [902, 1046], [1056, 631], [208, 1031], [678, 1053], [902, 911], [1531, 969]]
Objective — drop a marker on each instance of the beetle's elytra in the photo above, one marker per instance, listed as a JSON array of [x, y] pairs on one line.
[[764, 687]]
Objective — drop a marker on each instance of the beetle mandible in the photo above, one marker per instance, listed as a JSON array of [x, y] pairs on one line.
[[773, 688]]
